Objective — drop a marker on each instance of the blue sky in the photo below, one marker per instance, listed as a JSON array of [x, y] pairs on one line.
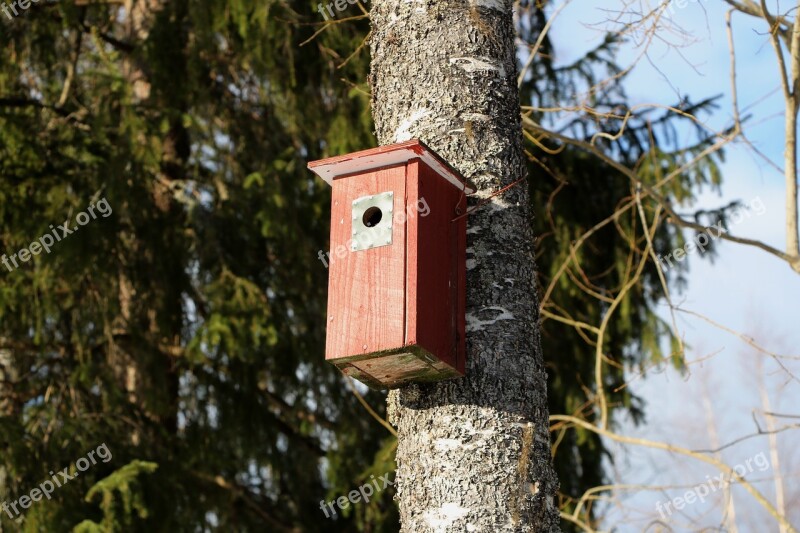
[[744, 289]]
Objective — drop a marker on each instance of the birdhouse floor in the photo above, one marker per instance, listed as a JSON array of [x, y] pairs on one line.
[[396, 368]]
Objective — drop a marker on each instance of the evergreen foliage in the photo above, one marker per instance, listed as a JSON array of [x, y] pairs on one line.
[[186, 329]]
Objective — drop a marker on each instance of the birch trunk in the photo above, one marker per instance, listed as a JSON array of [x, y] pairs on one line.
[[8, 377], [473, 454]]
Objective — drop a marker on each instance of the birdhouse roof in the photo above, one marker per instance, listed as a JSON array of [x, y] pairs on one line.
[[384, 156]]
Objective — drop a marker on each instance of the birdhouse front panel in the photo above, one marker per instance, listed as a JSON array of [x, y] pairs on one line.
[[396, 292], [366, 288]]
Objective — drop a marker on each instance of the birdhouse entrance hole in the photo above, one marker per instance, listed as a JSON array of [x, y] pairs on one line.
[[372, 217]]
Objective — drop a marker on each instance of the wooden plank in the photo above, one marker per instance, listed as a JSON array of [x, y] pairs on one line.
[[412, 251], [334, 168], [366, 289], [432, 267], [392, 369], [460, 227]]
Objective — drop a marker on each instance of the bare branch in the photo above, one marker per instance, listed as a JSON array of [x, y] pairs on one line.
[[683, 451]]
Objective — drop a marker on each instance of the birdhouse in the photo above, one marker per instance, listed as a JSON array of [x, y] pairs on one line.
[[397, 265]]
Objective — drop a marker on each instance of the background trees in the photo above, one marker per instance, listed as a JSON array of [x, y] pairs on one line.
[[659, 42], [186, 329]]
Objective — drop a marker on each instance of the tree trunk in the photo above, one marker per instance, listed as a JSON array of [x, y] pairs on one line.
[[148, 377], [474, 453], [8, 376]]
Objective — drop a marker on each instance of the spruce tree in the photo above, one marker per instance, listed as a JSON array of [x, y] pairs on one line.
[[186, 329]]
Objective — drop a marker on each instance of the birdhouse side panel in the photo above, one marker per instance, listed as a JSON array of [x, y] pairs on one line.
[[436, 256], [460, 227], [366, 290]]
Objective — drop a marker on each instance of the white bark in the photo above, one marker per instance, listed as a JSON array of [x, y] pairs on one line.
[[775, 459], [474, 453]]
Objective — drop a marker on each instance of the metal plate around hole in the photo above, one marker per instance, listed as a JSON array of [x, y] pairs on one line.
[[365, 237]]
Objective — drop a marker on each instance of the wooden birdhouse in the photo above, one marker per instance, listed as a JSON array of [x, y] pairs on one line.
[[396, 290]]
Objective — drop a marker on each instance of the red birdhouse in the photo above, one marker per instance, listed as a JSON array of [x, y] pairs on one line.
[[396, 290]]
